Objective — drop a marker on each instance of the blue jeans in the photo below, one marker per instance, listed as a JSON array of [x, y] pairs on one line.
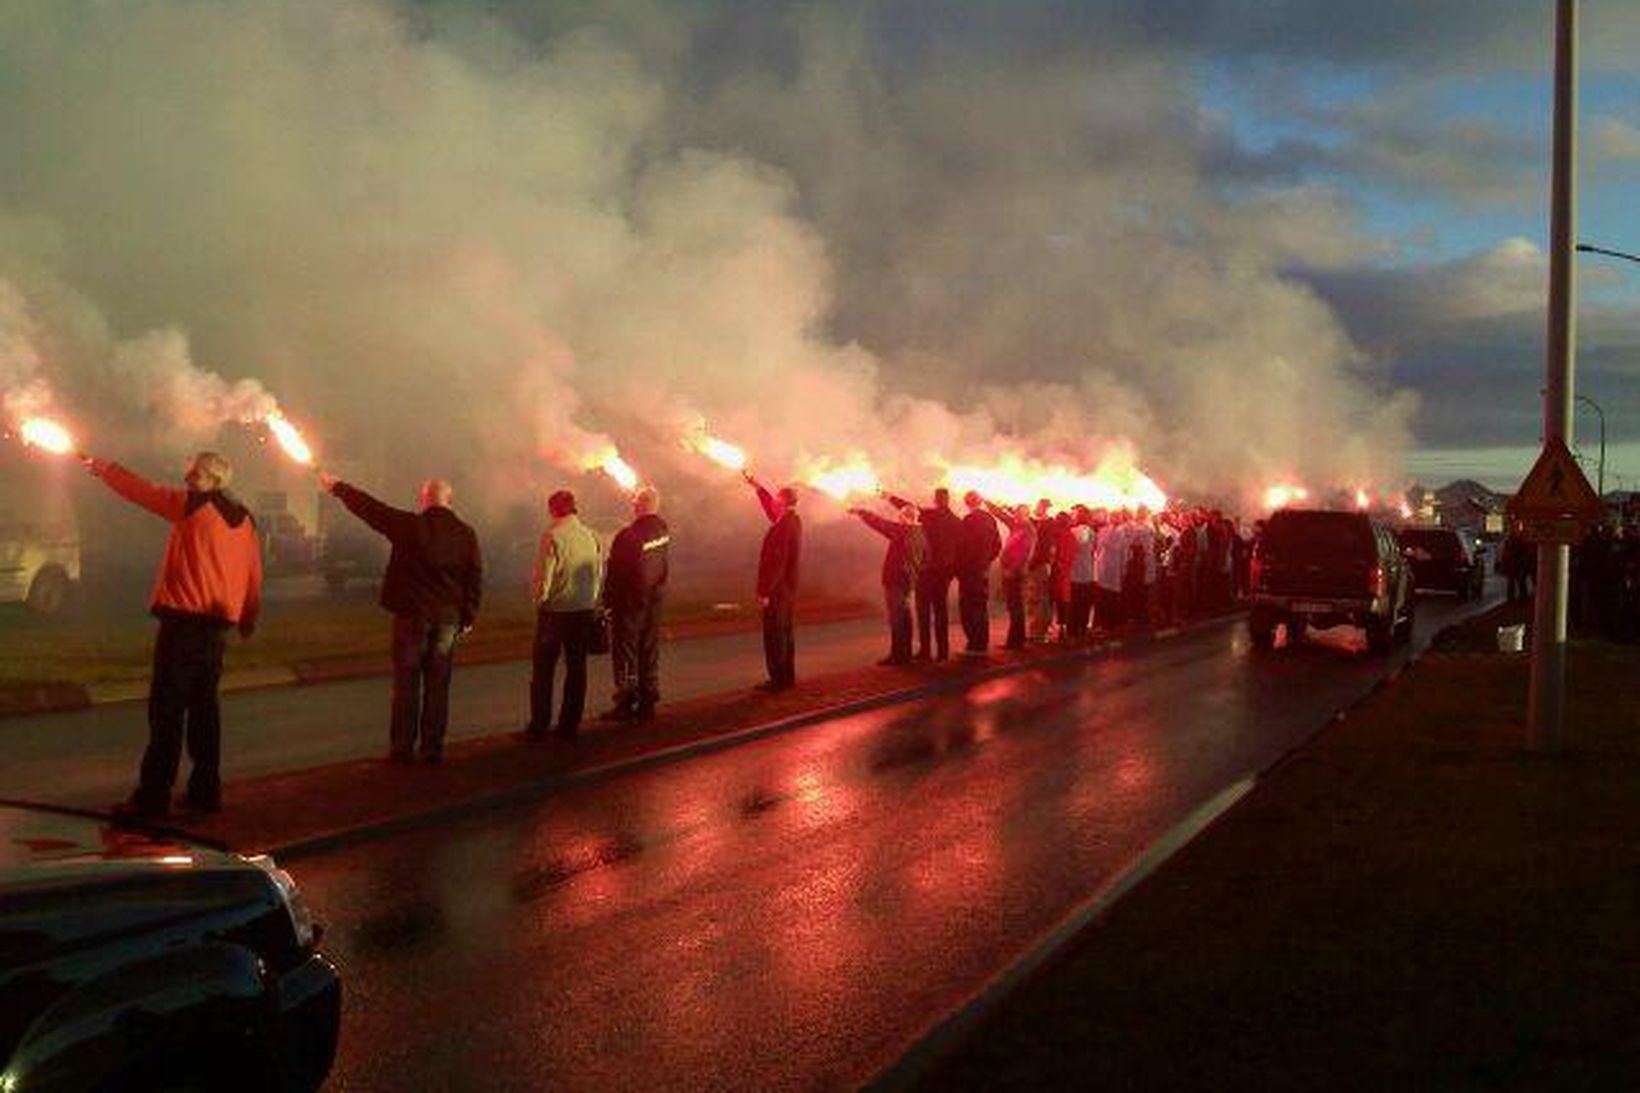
[[423, 658]]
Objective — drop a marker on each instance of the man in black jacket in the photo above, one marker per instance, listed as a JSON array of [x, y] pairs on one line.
[[977, 548], [633, 587], [777, 583], [432, 585], [943, 529]]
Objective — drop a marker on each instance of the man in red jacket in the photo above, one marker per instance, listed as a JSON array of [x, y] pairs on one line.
[[210, 581]]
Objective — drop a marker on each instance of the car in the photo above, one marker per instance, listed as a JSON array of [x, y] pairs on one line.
[[134, 960], [39, 538], [1443, 560], [1319, 568]]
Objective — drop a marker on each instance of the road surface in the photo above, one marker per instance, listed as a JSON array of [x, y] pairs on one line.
[[793, 912]]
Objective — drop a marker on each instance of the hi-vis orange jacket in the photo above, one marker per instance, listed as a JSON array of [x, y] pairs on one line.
[[213, 561]]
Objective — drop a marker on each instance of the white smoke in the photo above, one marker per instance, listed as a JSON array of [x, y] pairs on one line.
[[487, 254]]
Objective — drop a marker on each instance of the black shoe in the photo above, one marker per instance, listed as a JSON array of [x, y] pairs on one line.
[[644, 714], [530, 736], [202, 804], [138, 809], [619, 713]]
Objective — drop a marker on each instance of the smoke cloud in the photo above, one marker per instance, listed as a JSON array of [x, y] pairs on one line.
[[489, 243]]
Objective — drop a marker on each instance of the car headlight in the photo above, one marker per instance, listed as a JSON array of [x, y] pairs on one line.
[[301, 920]]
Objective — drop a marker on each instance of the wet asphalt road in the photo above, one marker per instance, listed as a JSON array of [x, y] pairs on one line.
[[794, 912]]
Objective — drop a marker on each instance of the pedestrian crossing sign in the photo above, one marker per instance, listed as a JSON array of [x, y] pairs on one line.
[[1556, 502]]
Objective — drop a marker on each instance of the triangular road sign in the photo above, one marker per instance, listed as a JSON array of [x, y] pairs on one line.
[[1555, 489]]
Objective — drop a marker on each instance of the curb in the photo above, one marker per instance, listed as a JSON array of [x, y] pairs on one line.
[[919, 1060], [927, 1050], [541, 787]]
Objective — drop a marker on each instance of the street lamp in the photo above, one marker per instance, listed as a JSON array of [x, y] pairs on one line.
[[1600, 474]]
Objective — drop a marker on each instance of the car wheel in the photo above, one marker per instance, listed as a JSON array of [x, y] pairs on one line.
[[48, 592], [1380, 635], [1261, 629]]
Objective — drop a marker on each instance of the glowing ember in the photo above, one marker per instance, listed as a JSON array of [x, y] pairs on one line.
[[1279, 497], [289, 438], [619, 469], [718, 451], [1013, 480], [843, 479], [47, 435]]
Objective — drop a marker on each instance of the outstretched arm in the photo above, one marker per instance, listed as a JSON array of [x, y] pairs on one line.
[[382, 517], [171, 504]]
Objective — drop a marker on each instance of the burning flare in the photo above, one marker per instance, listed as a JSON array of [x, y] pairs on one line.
[[289, 438], [1280, 496], [841, 480], [1015, 480], [611, 463], [718, 451], [47, 435]]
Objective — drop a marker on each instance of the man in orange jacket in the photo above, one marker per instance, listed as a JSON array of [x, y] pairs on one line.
[[209, 582]]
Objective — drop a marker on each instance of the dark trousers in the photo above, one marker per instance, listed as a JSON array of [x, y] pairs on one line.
[[1107, 607], [566, 634], [423, 656], [780, 641], [1013, 593], [182, 699], [635, 653], [934, 613], [973, 602], [1076, 626], [897, 607]]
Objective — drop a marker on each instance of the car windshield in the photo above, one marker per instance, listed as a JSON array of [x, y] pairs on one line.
[[1319, 535]]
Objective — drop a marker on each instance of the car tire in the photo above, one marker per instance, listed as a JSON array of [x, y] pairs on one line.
[[49, 591], [1261, 629]]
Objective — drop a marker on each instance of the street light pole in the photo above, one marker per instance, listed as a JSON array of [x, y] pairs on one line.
[[1546, 700], [1600, 473]]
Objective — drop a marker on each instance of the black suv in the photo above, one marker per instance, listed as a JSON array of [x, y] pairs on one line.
[[1443, 560], [134, 961], [1320, 569]]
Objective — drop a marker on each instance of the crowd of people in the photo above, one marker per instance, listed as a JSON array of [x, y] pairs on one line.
[[1064, 575]]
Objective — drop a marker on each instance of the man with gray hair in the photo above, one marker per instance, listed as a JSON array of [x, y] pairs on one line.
[[432, 586], [634, 582], [210, 581]]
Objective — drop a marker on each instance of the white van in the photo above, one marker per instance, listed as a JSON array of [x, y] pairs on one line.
[[39, 536]]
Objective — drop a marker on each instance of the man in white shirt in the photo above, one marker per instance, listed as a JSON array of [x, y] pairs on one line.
[[568, 579]]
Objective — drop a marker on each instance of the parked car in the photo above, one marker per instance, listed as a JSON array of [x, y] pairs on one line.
[[1317, 568], [137, 961], [39, 538], [1443, 560]]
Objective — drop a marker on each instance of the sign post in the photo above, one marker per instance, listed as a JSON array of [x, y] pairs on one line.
[[1546, 702]]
